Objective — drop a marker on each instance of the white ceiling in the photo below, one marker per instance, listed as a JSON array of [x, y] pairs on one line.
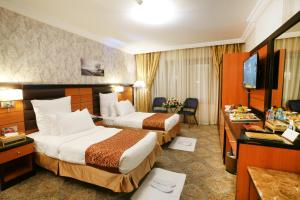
[[196, 22]]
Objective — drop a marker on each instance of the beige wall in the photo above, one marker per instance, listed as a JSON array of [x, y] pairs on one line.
[[34, 52], [276, 13]]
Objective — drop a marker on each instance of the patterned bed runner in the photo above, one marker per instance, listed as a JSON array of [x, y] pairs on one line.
[[106, 154], [156, 121]]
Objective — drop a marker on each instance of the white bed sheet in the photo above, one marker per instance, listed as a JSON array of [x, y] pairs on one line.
[[50, 144], [72, 149], [135, 120]]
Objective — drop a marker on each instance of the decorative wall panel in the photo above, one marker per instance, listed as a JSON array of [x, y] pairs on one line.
[[34, 52]]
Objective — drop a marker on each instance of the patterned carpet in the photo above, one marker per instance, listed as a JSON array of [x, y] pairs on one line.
[[206, 175]]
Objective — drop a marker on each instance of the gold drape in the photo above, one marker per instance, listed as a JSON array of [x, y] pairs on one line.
[[146, 65], [219, 51]]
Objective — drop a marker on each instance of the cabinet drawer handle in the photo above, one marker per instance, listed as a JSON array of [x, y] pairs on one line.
[[18, 153]]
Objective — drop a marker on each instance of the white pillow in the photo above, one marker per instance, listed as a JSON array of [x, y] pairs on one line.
[[105, 103], [124, 108], [42, 108], [75, 122], [53, 129], [113, 110]]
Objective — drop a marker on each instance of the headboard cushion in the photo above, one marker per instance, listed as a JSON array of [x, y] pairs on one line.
[[53, 91]]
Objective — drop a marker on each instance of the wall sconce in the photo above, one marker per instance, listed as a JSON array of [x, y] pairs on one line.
[[119, 89], [8, 96], [139, 84]]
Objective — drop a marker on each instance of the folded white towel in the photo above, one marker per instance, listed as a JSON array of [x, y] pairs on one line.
[[162, 188], [185, 143], [164, 182]]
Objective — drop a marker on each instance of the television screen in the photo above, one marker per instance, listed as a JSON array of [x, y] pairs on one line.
[[250, 72]]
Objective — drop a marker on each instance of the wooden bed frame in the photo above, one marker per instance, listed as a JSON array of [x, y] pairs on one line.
[[82, 96], [116, 182]]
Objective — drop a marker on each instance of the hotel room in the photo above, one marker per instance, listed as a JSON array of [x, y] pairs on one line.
[[149, 99]]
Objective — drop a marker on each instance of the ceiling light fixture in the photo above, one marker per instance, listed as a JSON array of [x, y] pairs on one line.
[[153, 12], [139, 1]]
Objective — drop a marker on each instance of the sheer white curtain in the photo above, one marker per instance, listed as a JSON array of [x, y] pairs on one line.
[[189, 73], [291, 85]]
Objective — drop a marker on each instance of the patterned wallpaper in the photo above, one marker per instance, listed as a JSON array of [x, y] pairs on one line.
[[34, 52]]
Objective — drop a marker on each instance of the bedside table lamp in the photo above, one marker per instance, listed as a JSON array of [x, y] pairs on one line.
[[9, 96], [139, 84], [119, 89]]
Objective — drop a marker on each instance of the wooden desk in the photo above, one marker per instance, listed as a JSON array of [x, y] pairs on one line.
[[269, 184], [258, 153]]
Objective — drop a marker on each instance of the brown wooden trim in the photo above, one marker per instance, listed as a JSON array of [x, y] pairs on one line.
[[264, 157], [15, 153], [50, 86]]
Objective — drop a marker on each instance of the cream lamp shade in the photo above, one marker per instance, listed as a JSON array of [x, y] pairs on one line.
[[119, 89], [139, 84], [11, 94]]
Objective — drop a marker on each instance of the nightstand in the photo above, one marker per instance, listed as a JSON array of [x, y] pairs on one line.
[[98, 121], [16, 163]]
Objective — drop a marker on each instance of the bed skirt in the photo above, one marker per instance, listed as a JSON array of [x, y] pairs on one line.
[[167, 136], [162, 136], [116, 182], [47, 162]]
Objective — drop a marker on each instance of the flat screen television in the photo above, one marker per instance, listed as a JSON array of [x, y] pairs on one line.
[[250, 72]]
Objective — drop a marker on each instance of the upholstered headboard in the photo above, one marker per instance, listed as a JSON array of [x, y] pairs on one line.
[[31, 92]]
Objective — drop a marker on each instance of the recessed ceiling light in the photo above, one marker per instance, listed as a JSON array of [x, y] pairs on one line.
[[153, 12]]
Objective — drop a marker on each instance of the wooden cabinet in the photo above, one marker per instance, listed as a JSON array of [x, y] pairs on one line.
[[232, 142], [221, 131], [265, 157], [81, 98], [16, 163], [257, 96], [99, 123], [13, 117], [233, 91]]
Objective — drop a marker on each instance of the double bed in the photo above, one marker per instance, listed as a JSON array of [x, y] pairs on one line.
[[65, 156], [113, 158]]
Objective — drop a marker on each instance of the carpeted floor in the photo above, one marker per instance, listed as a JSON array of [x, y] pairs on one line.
[[206, 175]]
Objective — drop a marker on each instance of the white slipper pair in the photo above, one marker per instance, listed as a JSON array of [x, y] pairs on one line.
[[163, 185]]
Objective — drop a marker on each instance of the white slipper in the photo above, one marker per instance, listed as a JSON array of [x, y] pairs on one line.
[[164, 182], [162, 188]]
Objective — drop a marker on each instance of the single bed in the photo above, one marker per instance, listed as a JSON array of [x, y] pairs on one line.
[[165, 134], [65, 156]]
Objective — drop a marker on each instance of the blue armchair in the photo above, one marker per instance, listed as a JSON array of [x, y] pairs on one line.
[[157, 105], [189, 108]]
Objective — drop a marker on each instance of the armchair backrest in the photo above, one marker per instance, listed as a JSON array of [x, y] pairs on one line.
[[157, 105], [294, 105], [191, 104]]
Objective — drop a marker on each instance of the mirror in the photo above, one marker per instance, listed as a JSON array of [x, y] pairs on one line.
[[286, 79]]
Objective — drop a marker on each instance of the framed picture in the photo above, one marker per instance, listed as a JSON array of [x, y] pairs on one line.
[[10, 129], [91, 67]]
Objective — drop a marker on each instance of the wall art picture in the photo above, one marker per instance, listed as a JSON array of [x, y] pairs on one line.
[[91, 67]]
